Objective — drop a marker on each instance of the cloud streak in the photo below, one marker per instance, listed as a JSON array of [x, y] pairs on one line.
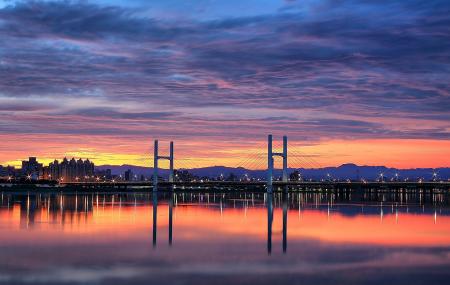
[[313, 69]]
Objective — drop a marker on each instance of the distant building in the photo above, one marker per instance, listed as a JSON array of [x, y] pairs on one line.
[[3, 171], [295, 176], [231, 177], [10, 171], [104, 174], [69, 171], [108, 174], [183, 175], [32, 169], [128, 175]]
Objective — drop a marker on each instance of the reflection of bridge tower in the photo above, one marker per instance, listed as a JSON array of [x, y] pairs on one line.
[[270, 220], [155, 217], [157, 157], [271, 154]]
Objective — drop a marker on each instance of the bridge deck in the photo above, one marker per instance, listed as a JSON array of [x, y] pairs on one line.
[[123, 184]]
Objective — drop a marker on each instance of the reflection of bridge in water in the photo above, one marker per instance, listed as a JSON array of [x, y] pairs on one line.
[[287, 202], [269, 205], [68, 208]]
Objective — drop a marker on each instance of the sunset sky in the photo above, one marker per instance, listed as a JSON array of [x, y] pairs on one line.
[[359, 81]]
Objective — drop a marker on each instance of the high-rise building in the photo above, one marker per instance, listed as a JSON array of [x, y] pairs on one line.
[[10, 171], [66, 171], [128, 175], [53, 172], [108, 174], [3, 172], [71, 170], [31, 168]]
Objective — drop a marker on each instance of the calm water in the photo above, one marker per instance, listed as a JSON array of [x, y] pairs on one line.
[[248, 238]]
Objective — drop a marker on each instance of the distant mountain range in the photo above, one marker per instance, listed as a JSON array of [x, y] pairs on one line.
[[345, 171]]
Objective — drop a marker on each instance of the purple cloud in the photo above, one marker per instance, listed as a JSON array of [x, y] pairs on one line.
[[331, 70]]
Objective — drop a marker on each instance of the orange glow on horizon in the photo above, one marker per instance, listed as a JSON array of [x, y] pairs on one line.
[[400, 153]]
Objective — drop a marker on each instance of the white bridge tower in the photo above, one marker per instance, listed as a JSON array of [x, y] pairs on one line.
[[157, 157], [270, 155]]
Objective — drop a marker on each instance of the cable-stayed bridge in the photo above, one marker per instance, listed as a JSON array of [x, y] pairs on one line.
[[264, 157]]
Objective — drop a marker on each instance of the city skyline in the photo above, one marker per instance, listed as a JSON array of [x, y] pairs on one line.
[[101, 79], [79, 170]]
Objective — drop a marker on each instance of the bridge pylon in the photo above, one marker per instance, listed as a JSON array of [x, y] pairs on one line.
[[156, 158], [270, 155]]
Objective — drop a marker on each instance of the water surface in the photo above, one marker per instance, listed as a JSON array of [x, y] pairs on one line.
[[224, 238]]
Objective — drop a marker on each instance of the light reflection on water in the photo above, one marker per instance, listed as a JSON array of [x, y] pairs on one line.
[[144, 238]]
